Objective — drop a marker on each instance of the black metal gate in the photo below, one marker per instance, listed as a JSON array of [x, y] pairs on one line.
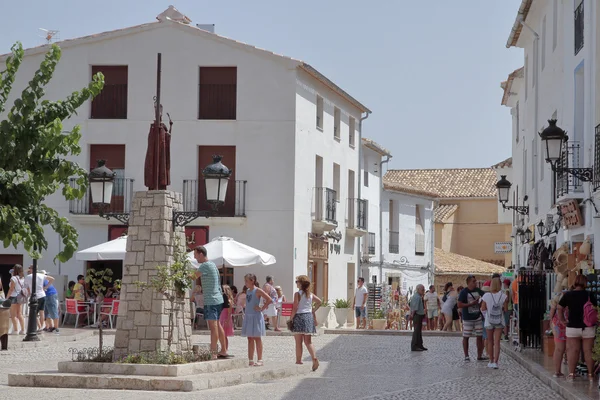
[[532, 307]]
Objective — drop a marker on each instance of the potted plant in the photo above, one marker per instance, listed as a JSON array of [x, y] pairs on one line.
[[322, 313], [379, 320], [341, 312]]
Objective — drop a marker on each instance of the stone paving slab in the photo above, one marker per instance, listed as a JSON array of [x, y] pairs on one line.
[[47, 339], [199, 382], [389, 332]]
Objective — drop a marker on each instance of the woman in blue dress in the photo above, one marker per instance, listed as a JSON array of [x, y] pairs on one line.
[[253, 327]]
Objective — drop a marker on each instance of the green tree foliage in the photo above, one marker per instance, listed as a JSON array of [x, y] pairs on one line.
[[33, 157]]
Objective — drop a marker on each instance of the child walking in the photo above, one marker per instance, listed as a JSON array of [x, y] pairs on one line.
[[253, 327], [226, 317]]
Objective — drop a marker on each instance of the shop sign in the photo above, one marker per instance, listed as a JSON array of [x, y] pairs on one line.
[[195, 236], [571, 214], [502, 247], [318, 248]]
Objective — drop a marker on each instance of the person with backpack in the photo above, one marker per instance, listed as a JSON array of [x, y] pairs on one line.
[[581, 325], [494, 303]]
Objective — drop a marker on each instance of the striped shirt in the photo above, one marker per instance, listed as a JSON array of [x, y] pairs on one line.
[[211, 289]]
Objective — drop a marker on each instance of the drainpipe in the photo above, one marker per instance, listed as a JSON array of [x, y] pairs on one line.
[[387, 160], [359, 193], [435, 204], [536, 46]]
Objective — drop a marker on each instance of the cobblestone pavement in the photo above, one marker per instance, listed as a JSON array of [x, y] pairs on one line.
[[361, 367]]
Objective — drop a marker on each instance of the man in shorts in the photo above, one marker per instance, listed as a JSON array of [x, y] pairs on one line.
[[469, 301], [360, 303], [213, 301], [432, 305]]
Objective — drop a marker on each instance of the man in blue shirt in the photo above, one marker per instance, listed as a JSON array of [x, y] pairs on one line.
[[417, 314], [50, 305], [213, 301], [469, 301]]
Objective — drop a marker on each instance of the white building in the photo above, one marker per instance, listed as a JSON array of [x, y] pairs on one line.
[[399, 245], [560, 40], [288, 133]]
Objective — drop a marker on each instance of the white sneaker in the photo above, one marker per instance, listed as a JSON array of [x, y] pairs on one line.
[[495, 366], [490, 365]]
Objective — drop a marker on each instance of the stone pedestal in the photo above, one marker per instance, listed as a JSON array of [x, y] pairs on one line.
[[143, 322]]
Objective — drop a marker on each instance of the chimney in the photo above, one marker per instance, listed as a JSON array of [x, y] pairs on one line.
[[206, 27], [174, 15]]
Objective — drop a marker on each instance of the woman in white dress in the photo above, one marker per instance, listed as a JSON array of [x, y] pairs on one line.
[[451, 300]]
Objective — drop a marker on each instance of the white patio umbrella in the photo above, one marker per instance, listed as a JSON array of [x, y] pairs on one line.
[[226, 251], [113, 250]]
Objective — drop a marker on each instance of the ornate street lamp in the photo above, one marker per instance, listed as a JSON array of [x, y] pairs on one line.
[[101, 185], [541, 228], [553, 138], [503, 186], [528, 235], [216, 178]]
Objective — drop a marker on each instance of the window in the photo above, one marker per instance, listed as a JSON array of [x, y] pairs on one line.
[[518, 123], [217, 93], [371, 244], [579, 27], [336, 123], [351, 132], [526, 76], [544, 43], [319, 113], [366, 171], [554, 24], [419, 232], [111, 102], [336, 181]]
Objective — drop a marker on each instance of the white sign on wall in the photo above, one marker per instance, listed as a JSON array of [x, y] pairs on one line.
[[502, 247]]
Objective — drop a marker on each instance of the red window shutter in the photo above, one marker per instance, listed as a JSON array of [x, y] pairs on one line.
[[116, 231], [218, 93], [195, 236], [111, 103]]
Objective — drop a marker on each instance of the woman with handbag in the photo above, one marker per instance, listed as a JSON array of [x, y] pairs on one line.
[[302, 321], [17, 299]]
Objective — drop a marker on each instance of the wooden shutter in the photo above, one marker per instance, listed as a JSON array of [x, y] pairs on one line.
[[217, 93], [205, 154], [111, 103], [195, 236]]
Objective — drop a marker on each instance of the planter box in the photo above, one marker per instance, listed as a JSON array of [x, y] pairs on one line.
[[379, 324], [323, 315], [341, 316]]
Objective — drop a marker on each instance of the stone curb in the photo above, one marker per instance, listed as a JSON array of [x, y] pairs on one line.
[[179, 384], [47, 339], [389, 333], [561, 387]]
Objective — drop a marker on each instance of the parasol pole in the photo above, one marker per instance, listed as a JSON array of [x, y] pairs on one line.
[[157, 123]]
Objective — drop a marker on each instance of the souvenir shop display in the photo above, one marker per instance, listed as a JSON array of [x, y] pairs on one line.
[[374, 299]]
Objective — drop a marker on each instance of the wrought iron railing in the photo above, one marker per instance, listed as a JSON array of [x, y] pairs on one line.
[[193, 202], [394, 242], [568, 183], [217, 101], [579, 27], [122, 196], [325, 204], [596, 180], [357, 214], [371, 243], [111, 103]]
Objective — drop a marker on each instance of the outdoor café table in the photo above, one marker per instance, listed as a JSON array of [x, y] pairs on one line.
[[93, 306]]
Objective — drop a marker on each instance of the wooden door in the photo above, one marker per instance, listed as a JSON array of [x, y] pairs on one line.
[[313, 272], [7, 262], [205, 157], [325, 292], [114, 154]]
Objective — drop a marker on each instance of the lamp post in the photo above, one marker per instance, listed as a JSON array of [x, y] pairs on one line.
[[216, 179], [503, 186], [101, 185], [527, 235], [553, 138], [541, 228], [32, 335]]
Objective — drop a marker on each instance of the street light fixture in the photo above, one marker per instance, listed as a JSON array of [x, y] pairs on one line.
[[101, 185], [553, 138], [528, 235], [503, 186], [541, 229], [216, 179]]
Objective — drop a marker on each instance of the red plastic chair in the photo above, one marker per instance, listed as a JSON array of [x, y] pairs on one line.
[[112, 312], [75, 309]]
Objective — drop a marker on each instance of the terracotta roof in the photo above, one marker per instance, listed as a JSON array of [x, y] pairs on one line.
[[190, 28], [503, 164], [515, 32], [443, 212], [452, 263], [396, 187], [447, 183], [371, 144], [507, 84]]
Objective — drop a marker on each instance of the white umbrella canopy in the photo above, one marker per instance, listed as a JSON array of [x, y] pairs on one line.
[[226, 251], [113, 250]]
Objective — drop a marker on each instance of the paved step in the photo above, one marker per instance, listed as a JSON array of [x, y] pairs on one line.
[[204, 381]]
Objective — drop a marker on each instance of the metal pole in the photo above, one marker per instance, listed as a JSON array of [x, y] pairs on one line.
[[157, 123], [32, 335]]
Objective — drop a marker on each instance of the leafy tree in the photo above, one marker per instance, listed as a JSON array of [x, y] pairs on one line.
[[33, 157]]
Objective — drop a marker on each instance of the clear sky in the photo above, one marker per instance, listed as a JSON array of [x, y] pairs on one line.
[[429, 70]]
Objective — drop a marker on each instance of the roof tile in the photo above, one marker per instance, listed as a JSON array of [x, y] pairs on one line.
[[447, 183], [443, 212], [452, 263]]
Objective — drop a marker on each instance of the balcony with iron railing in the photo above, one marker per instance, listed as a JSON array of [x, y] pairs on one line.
[[568, 185], [356, 225], [578, 24], [122, 196], [394, 245], [111, 103], [235, 199], [324, 210]]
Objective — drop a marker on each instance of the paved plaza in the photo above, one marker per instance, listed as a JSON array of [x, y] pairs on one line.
[[360, 367]]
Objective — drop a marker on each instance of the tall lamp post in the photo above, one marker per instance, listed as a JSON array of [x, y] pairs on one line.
[[32, 335]]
